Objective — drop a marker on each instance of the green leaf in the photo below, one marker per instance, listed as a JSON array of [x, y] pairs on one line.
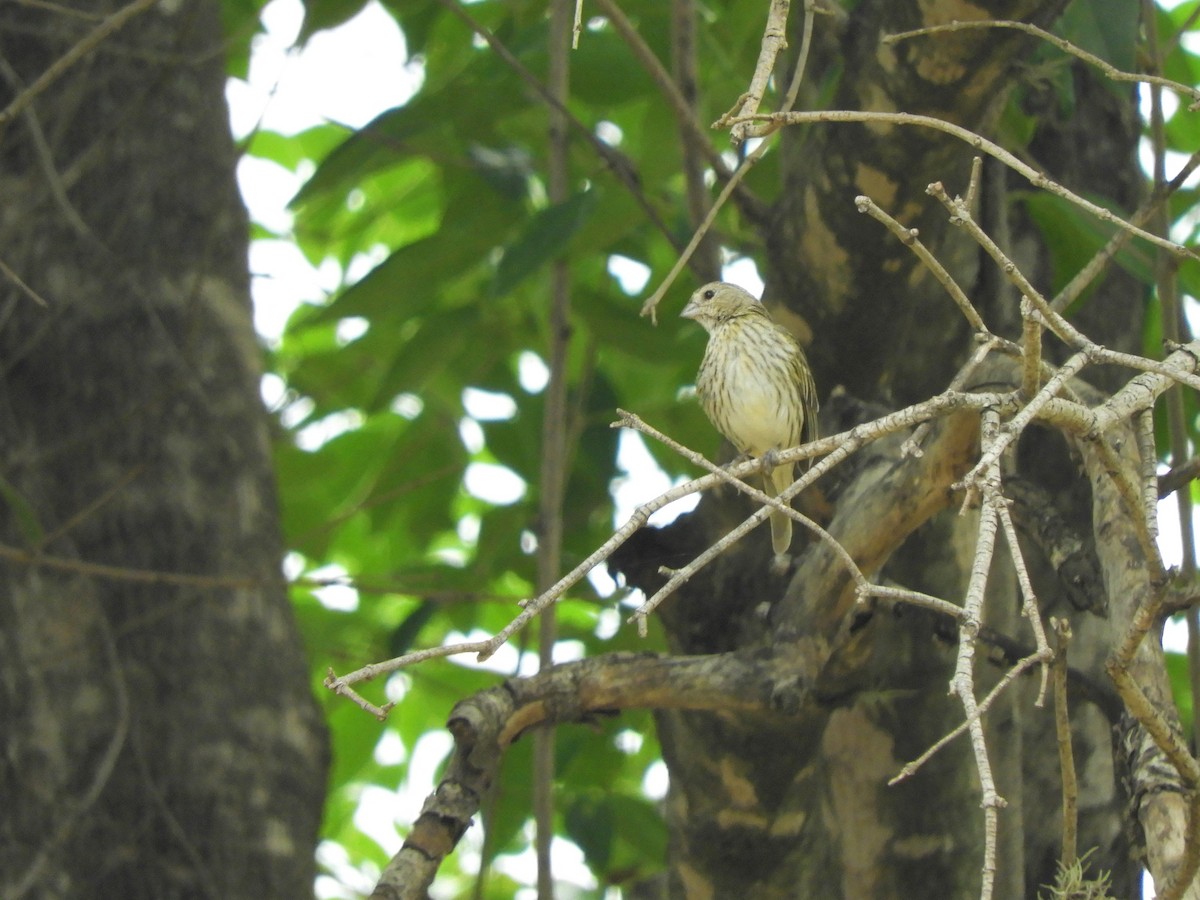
[[590, 823], [24, 513], [544, 237], [379, 143], [322, 14], [1106, 28], [1073, 237]]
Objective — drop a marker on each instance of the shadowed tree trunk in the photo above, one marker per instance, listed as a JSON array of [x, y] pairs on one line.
[[159, 735], [800, 806], [790, 701]]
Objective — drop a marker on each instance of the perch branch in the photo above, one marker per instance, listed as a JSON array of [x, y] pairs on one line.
[[1110, 71], [986, 482], [774, 40], [1036, 178], [486, 724]]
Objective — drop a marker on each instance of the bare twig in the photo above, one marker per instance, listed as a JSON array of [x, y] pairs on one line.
[[987, 481], [25, 289], [1110, 71], [617, 162], [1036, 178], [1067, 332], [1143, 423], [1094, 266], [1031, 350], [554, 463], [908, 237], [577, 25], [696, 136], [650, 306], [1178, 477], [685, 71], [1066, 758], [1029, 603], [774, 40], [1022, 666], [72, 57]]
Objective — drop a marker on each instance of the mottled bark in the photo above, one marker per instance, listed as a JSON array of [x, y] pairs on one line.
[[800, 807], [159, 735]]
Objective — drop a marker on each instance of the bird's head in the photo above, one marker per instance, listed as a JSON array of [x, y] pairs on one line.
[[718, 302]]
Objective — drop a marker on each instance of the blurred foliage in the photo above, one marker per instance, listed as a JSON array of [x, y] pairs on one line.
[[449, 191]]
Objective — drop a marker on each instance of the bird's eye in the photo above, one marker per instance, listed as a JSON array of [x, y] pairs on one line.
[[709, 294]]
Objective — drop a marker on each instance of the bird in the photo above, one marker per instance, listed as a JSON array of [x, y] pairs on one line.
[[755, 386]]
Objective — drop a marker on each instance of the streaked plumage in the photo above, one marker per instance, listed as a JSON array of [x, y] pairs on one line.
[[754, 384]]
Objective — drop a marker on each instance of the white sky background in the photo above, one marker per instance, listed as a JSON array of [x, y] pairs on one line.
[[349, 75]]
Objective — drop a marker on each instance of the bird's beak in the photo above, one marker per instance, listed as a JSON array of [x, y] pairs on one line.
[[691, 310]]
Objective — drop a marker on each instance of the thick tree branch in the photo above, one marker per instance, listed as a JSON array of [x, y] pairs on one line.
[[486, 724]]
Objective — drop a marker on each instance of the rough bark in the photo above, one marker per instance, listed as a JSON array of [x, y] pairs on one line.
[[159, 734], [801, 808], [790, 797]]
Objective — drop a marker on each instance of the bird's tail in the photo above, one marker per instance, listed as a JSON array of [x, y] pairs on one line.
[[781, 526]]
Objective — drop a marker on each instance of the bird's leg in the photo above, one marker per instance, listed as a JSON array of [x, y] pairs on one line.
[[738, 460], [769, 461]]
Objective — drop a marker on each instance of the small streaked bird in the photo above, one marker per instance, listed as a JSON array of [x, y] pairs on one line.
[[754, 385]]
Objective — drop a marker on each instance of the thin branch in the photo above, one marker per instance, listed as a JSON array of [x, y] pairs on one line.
[[1110, 71], [1067, 332], [774, 40], [908, 237], [1066, 757], [1036, 178], [912, 598], [554, 462], [685, 72], [24, 288], [651, 304], [793, 91], [1075, 287], [617, 162], [1022, 666], [962, 685], [696, 136], [1178, 477], [71, 58], [1031, 349], [1029, 602], [577, 25], [1143, 424]]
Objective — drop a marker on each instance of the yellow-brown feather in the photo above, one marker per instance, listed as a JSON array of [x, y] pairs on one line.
[[754, 384]]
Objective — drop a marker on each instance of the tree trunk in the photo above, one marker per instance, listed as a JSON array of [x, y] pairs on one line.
[[160, 737], [800, 805]]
